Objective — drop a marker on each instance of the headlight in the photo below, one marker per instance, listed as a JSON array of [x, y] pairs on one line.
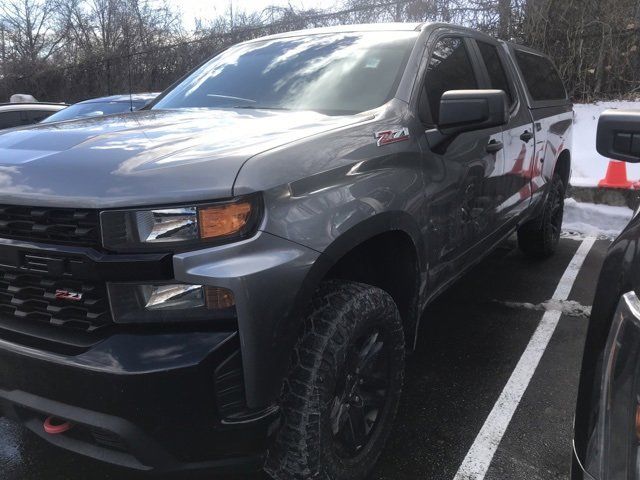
[[180, 227], [161, 303], [615, 446]]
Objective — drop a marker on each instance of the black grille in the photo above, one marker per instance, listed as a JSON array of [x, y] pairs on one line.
[[58, 225], [32, 298]]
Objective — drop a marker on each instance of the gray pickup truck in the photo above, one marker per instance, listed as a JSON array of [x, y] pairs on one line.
[[230, 278]]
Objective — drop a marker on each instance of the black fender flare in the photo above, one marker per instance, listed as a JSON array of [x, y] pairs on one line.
[[367, 229], [358, 234], [362, 231]]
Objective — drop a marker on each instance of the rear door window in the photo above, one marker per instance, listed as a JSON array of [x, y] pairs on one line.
[[10, 119], [541, 77], [449, 68], [36, 116], [495, 68]]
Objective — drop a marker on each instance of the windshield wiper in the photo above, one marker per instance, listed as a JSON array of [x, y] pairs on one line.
[[229, 97], [259, 107]]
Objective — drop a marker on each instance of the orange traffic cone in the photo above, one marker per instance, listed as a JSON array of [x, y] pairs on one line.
[[616, 176]]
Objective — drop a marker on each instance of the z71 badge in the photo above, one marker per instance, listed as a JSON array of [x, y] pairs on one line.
[[392, 136], [68, 295]]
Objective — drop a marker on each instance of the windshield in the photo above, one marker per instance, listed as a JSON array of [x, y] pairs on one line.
[[332, 73], [93, 109]]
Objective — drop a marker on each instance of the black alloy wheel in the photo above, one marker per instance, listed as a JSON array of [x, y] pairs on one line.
[[361, 394]]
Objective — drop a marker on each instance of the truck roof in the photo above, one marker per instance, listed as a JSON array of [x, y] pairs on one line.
[[383, 27], [365, 27]]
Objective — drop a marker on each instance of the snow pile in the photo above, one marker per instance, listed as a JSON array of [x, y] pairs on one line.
[[588, 166], [566, 307], [593, 220]]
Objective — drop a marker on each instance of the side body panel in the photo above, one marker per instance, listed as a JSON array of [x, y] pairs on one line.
[[519, 165], [552, 122], [465, 185], [335, 181], [553, 136], [518, 148], [341, 189], [462, 191]]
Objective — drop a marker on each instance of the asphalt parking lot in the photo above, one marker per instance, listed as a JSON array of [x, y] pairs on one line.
[[472, 338]]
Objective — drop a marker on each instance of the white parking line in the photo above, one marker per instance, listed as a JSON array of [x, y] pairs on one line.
[[478, 459]]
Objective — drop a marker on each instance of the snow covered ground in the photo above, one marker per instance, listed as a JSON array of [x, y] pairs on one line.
[[589, 167], [593, 220]]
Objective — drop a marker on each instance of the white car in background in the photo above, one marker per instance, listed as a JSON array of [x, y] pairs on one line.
[[26, 110]]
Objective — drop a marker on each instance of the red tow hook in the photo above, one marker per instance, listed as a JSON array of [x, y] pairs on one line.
[[56, 426]]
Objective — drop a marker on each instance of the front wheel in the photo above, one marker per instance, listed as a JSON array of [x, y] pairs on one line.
[[539, 237], [342, 393]]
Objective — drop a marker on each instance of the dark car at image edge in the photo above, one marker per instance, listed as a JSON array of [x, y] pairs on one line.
[[231, 277], [607, 421]]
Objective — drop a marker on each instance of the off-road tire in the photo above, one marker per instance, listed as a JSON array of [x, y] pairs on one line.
[[539, 237], [306, 445]]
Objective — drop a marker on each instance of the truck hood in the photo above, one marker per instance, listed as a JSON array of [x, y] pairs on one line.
[[143, 158]]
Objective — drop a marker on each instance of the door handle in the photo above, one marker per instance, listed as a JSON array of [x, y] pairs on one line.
[[494, 146], [526, 136]]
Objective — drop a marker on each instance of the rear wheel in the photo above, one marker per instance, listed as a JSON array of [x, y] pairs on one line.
[[343, 390], [539, 237]]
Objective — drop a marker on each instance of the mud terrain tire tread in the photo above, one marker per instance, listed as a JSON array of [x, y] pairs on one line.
[[339, 310]]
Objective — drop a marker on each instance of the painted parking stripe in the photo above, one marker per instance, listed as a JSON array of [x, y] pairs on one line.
[[478, 459]]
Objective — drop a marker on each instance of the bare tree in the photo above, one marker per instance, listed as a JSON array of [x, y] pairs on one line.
[[28, 37], [595, 43], [74, 49]]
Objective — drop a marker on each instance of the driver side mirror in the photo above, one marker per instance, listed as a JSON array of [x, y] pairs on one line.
[[465, 111], [618, 135]]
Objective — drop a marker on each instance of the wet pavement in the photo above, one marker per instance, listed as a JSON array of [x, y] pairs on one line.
[[471, 339]]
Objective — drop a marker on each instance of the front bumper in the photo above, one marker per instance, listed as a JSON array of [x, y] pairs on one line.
[[142, 402], [170, 398]]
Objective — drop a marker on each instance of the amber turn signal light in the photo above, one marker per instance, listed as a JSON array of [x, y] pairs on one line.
[[223, 220], [219, 298]]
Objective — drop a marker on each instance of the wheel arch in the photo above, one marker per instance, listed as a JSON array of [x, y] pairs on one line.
[[376, 251], [563, 166]]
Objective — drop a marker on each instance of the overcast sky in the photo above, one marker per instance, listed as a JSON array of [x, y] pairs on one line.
[[208, 9]]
